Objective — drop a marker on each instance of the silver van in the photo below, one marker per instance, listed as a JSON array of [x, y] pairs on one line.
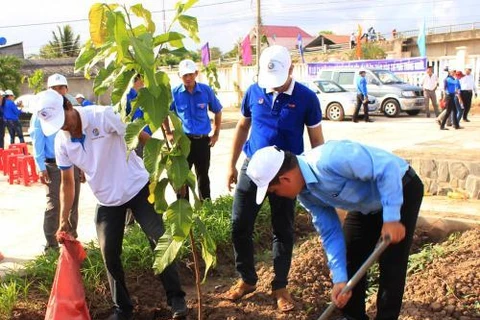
[[393, 94]]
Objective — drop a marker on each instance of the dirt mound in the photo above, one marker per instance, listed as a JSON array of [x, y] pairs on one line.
[[449, 287]]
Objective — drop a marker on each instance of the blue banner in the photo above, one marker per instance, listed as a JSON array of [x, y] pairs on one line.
[[395, 65]]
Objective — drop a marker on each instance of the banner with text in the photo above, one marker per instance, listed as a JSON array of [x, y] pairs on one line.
[[395, 65]]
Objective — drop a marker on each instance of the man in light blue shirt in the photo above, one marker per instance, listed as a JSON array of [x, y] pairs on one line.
[[362, 97], [382, 194]]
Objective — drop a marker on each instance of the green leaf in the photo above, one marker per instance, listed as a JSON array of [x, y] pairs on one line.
[[86, 55], [177, 171], [143, 48], [97, 17], [121, 37], [190, 24], [121, 86], [133, 131], [160, 204], [191, 182], [140, 12], [166, 251], [172, 38], [179, 217], [209, 248], [155, 110], [152, 157], [182, 7], [100, 83]]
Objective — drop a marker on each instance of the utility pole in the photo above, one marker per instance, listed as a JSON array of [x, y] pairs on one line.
[[259, 23], [164, 19]]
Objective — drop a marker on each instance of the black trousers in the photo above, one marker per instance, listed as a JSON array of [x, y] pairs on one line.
[[467, 102], [2, 133], [362, 232], [450, 105], [360, 99], [200, 158], [110, 224], [15, 128]]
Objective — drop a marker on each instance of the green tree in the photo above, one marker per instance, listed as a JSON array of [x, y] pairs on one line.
[[174, 57], [325, 32], [36, 81], [10, 76], [215, 53], [120, 50], [370, 50], [63, 44]]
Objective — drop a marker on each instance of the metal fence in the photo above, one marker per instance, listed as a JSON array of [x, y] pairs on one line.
[[441, 29]]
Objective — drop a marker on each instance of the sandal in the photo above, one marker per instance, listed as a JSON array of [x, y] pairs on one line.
[[285, 302], [239, 290]]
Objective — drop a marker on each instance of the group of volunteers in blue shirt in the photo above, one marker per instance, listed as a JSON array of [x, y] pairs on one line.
[[380, 191]]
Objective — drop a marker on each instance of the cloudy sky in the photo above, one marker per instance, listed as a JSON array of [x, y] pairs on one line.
[[222, 22]]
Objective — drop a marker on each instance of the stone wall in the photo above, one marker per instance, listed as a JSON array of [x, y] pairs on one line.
[[442, 176]]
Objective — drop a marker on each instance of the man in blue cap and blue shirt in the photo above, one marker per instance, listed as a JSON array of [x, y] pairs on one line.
[[382, 195], [275, 111]]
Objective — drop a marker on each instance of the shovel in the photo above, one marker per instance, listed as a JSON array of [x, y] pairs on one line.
[[359, 274]]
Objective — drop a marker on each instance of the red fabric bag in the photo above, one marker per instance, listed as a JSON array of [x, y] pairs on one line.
[[67, 298], [442, 104]]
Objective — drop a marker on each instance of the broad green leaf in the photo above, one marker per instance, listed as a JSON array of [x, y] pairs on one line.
[[140, 12], [179, 216], [100, 83], [97, 19], [190, 24], [155, 110], [209, 248], [86, 55], [121, 37], [177, 171], [172, 38], [166, 251], [121, 86], [161, 204], [152, 157], [184, 6], [133, 131], [143, 48]]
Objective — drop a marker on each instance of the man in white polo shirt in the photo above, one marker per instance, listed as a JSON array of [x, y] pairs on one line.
[[430, 84], [92, 138]]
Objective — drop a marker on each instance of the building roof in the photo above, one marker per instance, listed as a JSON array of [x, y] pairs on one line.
[[64, 66], [283, 31], [328, 39]]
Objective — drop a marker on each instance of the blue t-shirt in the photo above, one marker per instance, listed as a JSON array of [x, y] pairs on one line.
[[132, 94], [192, 108], [280, 122], [86, 102], [10, 110], [362, 85], [451, 85]]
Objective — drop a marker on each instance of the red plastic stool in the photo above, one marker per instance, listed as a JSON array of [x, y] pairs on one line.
[[5, 154], [13, 172], [26, 169], [21, 146], [1, 159]]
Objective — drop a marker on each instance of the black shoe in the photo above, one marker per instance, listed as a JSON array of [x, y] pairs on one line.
[[51, 248], [428, 116], [119, 315], [456, 128], [466, 120], [179, 308], [449, 124], [369, 120], [443, 128], [355, 120]]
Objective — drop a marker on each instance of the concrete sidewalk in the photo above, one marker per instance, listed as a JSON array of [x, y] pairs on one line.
[[21, 208]]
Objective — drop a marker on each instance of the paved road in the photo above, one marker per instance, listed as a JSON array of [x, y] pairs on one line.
[[21, 209]]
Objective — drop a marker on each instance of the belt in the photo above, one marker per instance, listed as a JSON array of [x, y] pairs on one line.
[[409, 175], [50, 160], [197, 136]]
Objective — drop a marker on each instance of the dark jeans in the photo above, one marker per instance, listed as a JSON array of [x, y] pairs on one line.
[[360, 99], [2, 133], [200, 158], [110, 223], [450, 105], [15, 127], [362, 232], [245, 210], [52, 211], [467, 102]]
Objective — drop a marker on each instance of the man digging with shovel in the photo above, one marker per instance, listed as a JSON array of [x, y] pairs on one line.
[[382, 195]]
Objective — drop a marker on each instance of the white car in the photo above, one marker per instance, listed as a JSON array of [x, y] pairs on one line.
[[336, 102]]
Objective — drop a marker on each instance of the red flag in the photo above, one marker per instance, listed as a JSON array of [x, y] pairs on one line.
[[359, 43], [246, 51]]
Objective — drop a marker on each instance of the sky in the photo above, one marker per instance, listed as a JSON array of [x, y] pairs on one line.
[[223, 22]]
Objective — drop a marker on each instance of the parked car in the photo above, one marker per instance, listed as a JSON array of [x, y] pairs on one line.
[[336, 102], [393, 94]]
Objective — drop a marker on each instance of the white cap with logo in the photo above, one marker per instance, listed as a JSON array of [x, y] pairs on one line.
[[79, 95], [56, 79], [9, 92], [263, 167], [49, 106], [275, 62], [186, 66]]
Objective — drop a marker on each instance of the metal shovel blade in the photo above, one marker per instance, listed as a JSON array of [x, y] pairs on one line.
[[359, 274]]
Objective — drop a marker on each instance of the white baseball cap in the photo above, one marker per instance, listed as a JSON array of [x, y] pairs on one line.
[[56, 79], [186, 66], [275, 62], [49, 106], [79, 95], [263, 167], [2, 93], [468, 66], [9, 93]]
